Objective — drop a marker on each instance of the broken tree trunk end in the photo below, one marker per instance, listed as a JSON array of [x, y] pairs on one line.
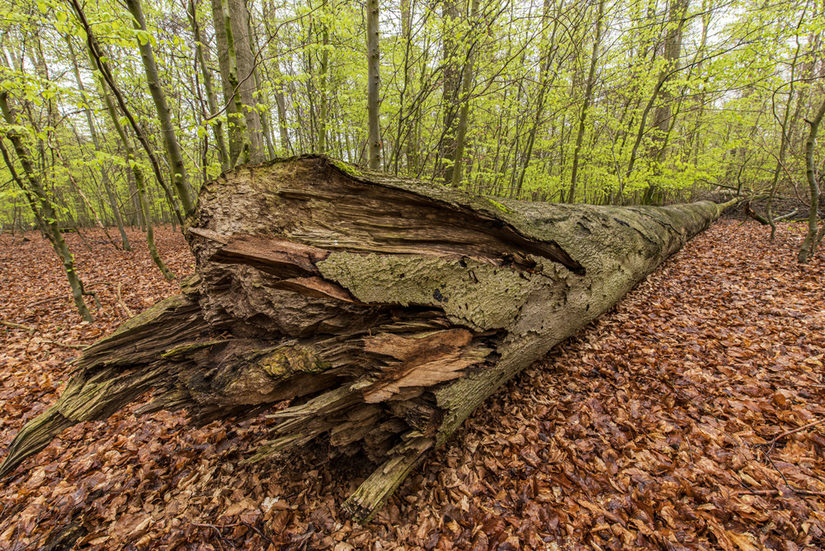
[[382, 310]]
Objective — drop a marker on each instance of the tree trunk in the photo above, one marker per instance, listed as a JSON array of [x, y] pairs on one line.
[[237, 66], [384, 310], [784, 141], [229, 80], [588, 97], [464, 109], [451, 14], [808, 248], [41, 205], [180, 179], [139, 181], [211, 97], [247, 72], [546, 79], [374, 77], [663, 116], [98, 58], [108, 185], [140, 184]]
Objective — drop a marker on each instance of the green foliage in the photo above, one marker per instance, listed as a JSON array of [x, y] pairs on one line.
[[741, 65]]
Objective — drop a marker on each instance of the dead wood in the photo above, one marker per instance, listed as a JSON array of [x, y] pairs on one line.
[[382, 310]]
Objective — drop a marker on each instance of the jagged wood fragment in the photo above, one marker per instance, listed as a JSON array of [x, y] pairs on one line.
[[375, 311]]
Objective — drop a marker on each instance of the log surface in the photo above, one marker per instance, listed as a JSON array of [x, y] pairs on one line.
[[382, 310]]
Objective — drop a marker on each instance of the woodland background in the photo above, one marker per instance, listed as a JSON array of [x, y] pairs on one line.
[[599, 101]]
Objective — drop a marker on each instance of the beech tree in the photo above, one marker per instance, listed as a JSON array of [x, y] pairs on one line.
[[38, 199], [814, 235], [374, 80]]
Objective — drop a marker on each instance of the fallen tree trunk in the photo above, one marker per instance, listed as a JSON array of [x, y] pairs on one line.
[[383, 310]]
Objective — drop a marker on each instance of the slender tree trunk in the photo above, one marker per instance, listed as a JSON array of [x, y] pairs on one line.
[[180, 178], [808, 248], [374, 84], [277, 82], [451, 15], [41, 204], [403, 139], [236, 122], [784, 139], [464, 110], [280, 102], [211, 97], [262, 101], [663, 114], [138, 178], [323, 82], [588, 97], [140, 184], [248, 74], [673, 45], [545, 81], [108, 185], [237, 64]]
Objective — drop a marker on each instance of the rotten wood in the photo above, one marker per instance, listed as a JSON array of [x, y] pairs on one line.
[[376, 312]]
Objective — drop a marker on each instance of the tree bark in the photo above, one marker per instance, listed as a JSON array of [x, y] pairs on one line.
[[237, 66], [809, 244], [40, 203], [180, 179], [588, 97], [374, 77], [383, 310]]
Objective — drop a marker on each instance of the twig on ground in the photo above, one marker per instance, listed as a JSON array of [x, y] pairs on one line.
[[260, 533], [13, 325], [122, 304], [775, 491], [42, 300], [219, 527], [216, 529], [93, 294], [784, 216], [773, 442], [65, 344], [759, 492], [768, 447]]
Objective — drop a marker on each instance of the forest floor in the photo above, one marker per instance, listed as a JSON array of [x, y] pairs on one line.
[[692, 416]]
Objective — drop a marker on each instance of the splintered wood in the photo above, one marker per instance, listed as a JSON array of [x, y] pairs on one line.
[[373, 311]]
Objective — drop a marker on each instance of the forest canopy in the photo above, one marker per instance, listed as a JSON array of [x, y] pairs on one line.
[[600, 101]]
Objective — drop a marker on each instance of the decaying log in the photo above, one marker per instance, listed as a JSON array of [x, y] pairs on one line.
[[382, 310]]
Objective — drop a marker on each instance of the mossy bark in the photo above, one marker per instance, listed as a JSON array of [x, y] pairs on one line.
[[383, 310]]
